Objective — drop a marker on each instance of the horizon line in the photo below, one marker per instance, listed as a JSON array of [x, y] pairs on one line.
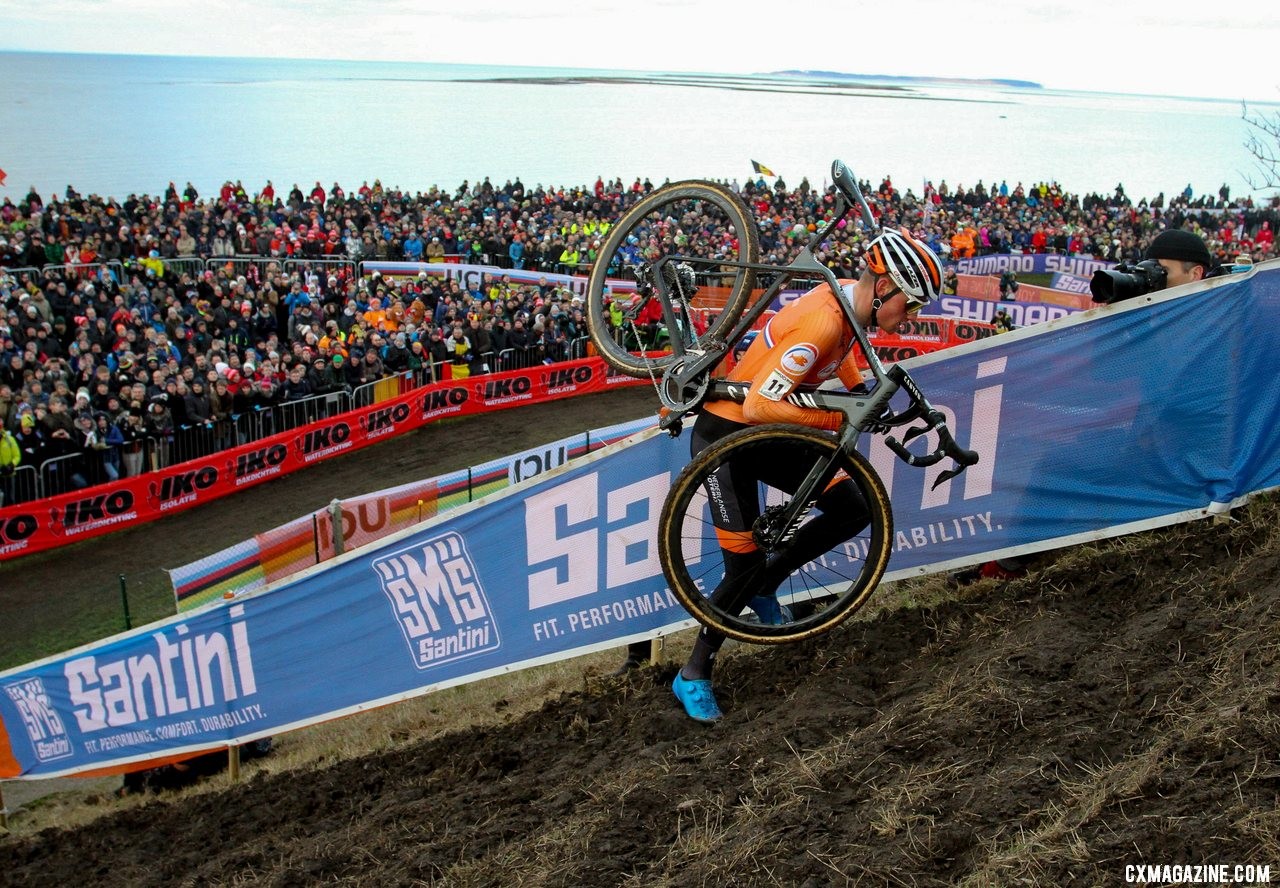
[[1007, 82]]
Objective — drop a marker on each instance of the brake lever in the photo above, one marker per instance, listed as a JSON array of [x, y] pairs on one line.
[[914, 432], [948, 475]]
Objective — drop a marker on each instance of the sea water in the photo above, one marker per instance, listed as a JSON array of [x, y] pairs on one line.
[[118, 124]]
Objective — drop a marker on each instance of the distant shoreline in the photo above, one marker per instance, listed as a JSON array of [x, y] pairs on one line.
[[771, 84]]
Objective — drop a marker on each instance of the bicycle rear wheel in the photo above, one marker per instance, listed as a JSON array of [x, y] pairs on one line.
[[837, 575], [702, 224]]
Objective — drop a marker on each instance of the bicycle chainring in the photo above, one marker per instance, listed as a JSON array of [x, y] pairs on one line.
[[681, 397]]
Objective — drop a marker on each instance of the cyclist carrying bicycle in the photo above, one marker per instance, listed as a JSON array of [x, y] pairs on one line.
[[806, 343]]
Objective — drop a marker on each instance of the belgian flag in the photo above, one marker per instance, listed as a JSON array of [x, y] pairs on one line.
[[761, 169]]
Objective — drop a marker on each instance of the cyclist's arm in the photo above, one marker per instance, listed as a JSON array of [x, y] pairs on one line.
[[849, 372], [785, 366]]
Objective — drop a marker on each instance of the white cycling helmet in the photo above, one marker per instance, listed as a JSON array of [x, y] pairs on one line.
[[909, 263]]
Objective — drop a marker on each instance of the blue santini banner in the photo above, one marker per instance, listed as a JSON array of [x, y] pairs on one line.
[[1153, 411]]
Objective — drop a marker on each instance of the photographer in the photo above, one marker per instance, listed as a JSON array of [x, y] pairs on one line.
[[1173, 258], [1182, 255]]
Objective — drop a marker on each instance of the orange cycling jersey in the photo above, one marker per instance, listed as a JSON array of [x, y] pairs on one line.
[[800, 347]]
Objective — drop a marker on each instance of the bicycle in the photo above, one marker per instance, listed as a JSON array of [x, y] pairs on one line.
[[692, 250]]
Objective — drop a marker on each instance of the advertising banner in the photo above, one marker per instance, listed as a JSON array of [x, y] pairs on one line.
[[1031, 263], [1086, 428], [280, 552], [924, 335], [973, 286], [560, 564], [55, 521], [1071, 283], [1022, 314], [473, 276]]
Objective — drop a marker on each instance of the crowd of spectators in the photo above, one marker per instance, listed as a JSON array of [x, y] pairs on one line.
[[959, 222], [126, 322]]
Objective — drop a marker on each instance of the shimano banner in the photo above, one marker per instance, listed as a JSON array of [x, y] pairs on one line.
[[1022, 314], [1130, 417], [1031, 263]]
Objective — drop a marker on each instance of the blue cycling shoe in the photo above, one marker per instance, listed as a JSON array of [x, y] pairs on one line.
[[697, 698], [769, 611]]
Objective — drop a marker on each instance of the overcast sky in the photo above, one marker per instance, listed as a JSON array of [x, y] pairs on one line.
[[1163, 47]]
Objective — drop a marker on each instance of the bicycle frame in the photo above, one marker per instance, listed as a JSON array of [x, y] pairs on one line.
[[708, 354], [687, 383]]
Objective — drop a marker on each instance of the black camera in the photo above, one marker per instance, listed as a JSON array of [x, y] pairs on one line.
[[1126, 281]]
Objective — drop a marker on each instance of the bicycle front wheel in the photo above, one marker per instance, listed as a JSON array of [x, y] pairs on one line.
[[702, 224], [822, 574]]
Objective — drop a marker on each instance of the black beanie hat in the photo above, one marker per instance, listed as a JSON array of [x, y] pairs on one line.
[[1179, 244]]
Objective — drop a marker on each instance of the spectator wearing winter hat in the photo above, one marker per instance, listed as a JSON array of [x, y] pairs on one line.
[[1182, 254], [198, 408]]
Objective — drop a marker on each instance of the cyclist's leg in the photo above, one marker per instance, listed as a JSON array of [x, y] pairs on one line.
[[734, 509], [843, 514]]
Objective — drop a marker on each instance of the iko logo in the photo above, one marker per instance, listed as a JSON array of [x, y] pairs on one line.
[[261, 462], [498, 390], [383, 420], [567, 378], [446, 400], [323, 442], [919, 327], [182, 488], [437, 598], [317, 440], [17, 528], [93, 511], [895, 353], [44, 728], [613, 376]]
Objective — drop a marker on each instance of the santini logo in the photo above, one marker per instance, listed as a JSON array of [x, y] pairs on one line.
[[44, 728], [439, 602]]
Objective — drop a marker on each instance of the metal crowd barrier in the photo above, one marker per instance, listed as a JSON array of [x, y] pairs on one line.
[[22, 486], [263, 422], [518, 358], [191, 265], [235, 266], [194, 441], [79, 269], [382, 389], [533, 355], [322, 267], [17, 272], [74, 471]]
